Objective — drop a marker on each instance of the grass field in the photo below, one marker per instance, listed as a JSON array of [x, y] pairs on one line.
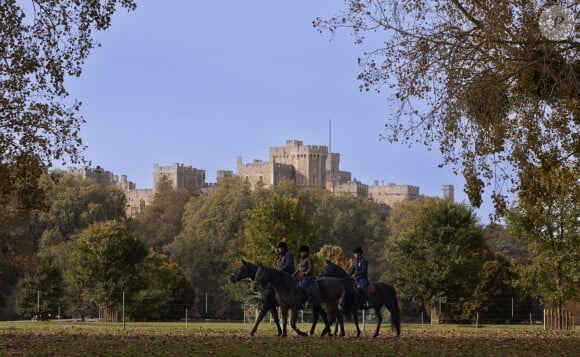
[[231, 339]]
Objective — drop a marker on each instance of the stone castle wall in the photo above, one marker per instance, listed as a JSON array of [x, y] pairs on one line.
[[391, 193], [137, 200], [256, 173], [181, 176], [304, 165], [353, 188]]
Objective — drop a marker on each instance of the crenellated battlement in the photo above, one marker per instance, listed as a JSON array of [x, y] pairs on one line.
[[305, 165]]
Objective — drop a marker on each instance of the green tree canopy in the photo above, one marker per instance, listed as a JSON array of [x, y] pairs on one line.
[[441, 257], [344, 221], [212, 229], [165, 294], [275, 219], [72, 204], [161, 221], [478, 79], [550, 227], [105, 262], [41, 292]]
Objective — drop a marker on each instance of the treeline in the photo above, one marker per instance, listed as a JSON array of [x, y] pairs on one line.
[[79, 254]]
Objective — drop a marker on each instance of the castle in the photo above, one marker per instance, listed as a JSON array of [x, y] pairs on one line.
[[305, 165]]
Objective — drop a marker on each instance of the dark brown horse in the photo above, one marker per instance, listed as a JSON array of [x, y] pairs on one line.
[[291, 297], [268, 295], [379, 295]]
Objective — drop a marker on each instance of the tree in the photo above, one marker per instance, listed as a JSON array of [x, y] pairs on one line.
[[479, 79], [277, 219], [105, 263], [72, 204], [43, 43], [440, 259], [161, 222], [492, 297], [212, 229], [344, 221], [550, 227], [166, 293], [508, 245], [335, 254], [41, 292]]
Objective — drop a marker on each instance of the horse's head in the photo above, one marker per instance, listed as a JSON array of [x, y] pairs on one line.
[[246, 270], [326, 270], [333, 270]]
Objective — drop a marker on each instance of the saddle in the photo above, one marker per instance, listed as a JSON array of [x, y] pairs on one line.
[[313, 289], [310, 286]]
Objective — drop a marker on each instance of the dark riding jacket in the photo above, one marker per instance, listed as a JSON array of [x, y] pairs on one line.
[[286, 262], [360, 268]]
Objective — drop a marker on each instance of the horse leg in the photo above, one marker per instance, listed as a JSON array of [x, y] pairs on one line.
[[379, 320], [332, 316], [261, 315], [340, 321], [355, 319], [284, 320], [322, 313], [274, 313], [315, 315], [293, 319]]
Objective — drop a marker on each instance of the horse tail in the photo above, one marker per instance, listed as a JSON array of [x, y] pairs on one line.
[[395, 314], [347, 301]]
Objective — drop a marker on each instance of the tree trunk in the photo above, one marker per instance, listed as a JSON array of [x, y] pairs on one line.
[[107, 314], [435, 316], [557, 318]]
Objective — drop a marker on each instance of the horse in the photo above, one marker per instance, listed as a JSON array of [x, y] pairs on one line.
[[378, 293], [291, 297], [268, 295]]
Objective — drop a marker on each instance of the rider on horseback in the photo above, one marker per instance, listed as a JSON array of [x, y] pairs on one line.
[[360, 272], [286, 262], [305, 272]]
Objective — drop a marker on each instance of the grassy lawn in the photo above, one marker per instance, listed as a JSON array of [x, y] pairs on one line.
[[231, 339]]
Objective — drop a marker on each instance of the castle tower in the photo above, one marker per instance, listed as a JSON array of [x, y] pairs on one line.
[[180, 176], [448, 192], [308, 161]]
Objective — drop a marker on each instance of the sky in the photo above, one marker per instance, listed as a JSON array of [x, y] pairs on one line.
[[204, 82]]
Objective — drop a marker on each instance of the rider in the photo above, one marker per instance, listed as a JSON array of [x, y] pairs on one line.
[[305, 271], [286, 262], [360, 272]]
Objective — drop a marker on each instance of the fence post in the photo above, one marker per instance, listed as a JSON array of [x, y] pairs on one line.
[[123, 311]]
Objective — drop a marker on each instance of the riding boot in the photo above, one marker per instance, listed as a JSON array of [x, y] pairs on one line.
[[365, 298]]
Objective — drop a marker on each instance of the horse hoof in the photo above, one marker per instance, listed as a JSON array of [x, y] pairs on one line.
[[342, 334]]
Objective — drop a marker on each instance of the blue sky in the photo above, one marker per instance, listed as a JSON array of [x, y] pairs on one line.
[[203, 82]]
